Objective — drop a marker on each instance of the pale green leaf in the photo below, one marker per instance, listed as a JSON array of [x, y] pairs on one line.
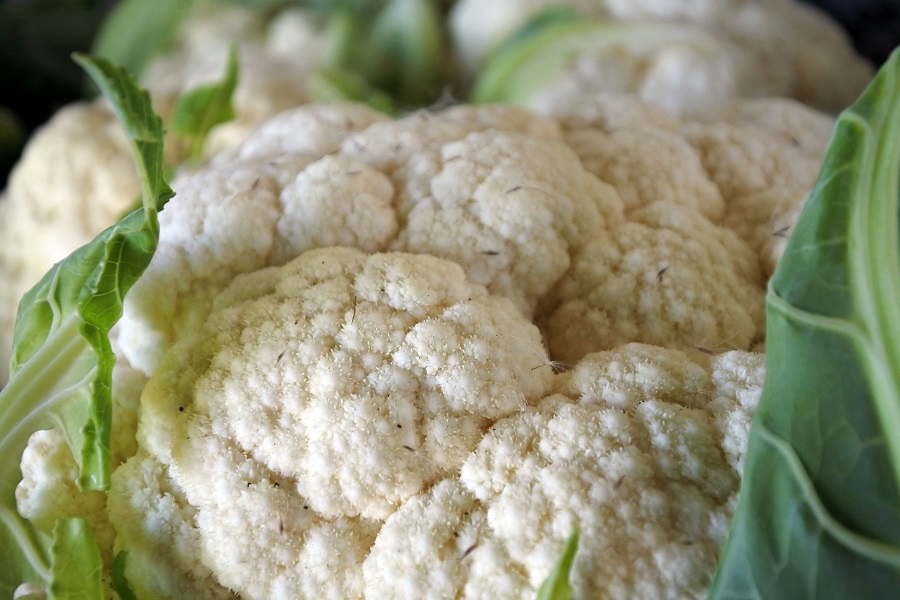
[[819, 510]]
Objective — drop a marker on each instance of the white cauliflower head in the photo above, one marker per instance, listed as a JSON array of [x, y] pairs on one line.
[[342, 327], [321, 395]]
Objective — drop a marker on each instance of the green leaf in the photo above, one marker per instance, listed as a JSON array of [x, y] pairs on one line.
[[119, 581], [532, 56], [61, 369], [77, 570], [335, 85], [406, 52], [204, 107], [137, 29], [819, 510], [349, 36], [556, 586], [547, 18]]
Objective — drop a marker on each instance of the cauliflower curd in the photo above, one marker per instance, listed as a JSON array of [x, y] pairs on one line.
[[378, 358]]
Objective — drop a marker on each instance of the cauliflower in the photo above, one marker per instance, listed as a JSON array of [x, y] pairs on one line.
[[685, 55], [406, 358], [358, 356]]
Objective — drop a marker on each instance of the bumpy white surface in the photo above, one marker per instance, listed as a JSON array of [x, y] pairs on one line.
[[346, 331]]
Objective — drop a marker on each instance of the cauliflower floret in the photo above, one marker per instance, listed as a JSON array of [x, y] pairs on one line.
[[493, 189], [670, 172], [764, 175], [610, 112], [667, 277], [164, 552], [48, 490], [748, 165], [629, 452], [317, 398], [512, 209], [794, 122], [316, 130]]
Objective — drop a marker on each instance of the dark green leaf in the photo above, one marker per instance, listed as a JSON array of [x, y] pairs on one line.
[[407, 51], [119, 581]]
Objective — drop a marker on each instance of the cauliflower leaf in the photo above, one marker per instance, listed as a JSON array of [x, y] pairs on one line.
[[204, 107], [62, 362], [819, 511]]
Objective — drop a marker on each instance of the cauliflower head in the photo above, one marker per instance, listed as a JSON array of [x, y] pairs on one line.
[[630, 450], [685, 55], [406, 358]]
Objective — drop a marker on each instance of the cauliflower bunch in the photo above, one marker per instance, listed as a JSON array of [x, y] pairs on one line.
[[408, 358], [75, 178]]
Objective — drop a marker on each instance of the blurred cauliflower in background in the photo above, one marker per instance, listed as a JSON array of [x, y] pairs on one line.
[[686, 55]]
